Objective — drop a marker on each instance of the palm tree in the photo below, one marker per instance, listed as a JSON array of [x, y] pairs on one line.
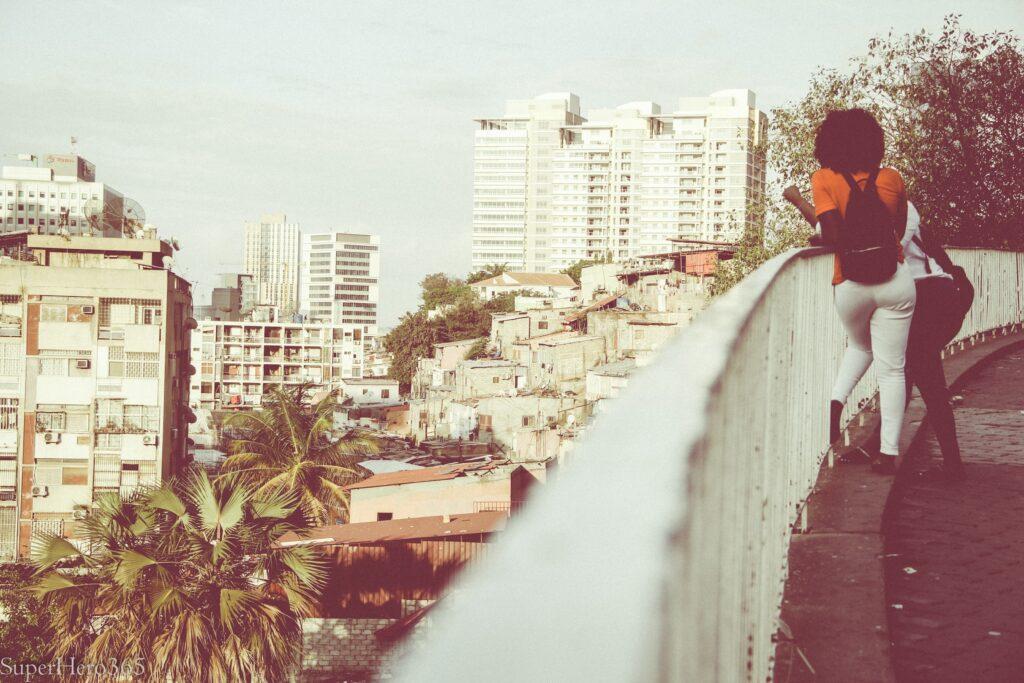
[[183, 582], [290, 446]]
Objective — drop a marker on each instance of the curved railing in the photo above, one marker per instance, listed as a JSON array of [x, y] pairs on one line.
[[660, 553]]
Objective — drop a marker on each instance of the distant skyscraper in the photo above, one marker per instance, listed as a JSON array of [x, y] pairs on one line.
[[551, 188], [339, 280], [512, 180], [59, 191], [272, 258]]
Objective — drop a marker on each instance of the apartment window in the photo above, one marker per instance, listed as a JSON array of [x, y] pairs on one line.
[[385, 393], [146, 418], [109, 441], [12, 358], [55, 421], [8, 413], [53, 313], [385, 516], [8, 472]]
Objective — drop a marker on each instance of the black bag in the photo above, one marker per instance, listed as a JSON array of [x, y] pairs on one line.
[[964, 298], [868, 249]]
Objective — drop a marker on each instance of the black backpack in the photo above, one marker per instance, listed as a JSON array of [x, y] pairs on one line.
[[868, 247]]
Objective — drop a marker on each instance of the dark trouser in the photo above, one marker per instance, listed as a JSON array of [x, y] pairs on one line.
[[933, 327]]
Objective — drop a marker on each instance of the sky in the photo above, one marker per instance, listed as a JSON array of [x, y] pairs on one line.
[[358, 116]]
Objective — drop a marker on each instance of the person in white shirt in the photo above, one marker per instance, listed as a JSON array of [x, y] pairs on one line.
[[937, 318]]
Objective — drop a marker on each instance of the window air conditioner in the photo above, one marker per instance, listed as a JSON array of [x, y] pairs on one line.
[[88, 309], [40, 491], [80, 514], [83, 364], [150, 439], [51, 437]]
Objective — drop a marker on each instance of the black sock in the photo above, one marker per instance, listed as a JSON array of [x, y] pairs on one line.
[[835, 415]]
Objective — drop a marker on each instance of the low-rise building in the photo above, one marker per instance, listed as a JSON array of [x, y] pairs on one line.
[[239, 362], [605, 381], [486, 377], [561, 363], [94, 377], [599, 280], [443, 490], [369, 390], [556, 285]]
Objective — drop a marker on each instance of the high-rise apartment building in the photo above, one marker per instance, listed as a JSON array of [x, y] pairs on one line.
[[272, 258], [512, 194], [56, 193], [240, 362], [94, 377], [339, 279], [619, 184]]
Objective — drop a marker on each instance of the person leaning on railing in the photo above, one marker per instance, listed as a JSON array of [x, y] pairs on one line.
[[862, 208], [943, 297]]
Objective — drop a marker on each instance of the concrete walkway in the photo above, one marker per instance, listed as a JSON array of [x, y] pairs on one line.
[[955, 553]]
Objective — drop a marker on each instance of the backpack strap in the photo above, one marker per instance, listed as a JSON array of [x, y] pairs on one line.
[[927, 259], [851, 182], [871, 184]]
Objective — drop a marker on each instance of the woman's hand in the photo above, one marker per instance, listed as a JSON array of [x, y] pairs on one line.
[[792, 195]]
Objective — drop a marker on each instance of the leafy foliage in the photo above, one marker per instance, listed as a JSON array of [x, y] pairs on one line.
[[950, 107], [417, 332], [288, 447], [492, 270], [186, 580], [575, 271], [440, 290], [25, 630]]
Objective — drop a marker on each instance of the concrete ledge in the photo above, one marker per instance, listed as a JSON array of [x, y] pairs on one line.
[[834, 606]]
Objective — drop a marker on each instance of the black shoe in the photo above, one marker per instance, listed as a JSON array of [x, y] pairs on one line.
[[855, 456], [884, 464], [835, 416]]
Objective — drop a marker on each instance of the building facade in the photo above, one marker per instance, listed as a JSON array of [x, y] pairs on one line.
[[233, 299], [59, 192], [239, 362], [512, 165], [94, 378], [272, 258], [552, 188], [339, 281]]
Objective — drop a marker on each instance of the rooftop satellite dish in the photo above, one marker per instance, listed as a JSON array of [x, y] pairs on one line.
[[118, 216]]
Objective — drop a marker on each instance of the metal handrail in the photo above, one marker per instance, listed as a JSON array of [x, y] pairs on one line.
[[660, 552]]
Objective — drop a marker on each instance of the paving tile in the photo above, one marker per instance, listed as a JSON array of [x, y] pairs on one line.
[[963, 607]]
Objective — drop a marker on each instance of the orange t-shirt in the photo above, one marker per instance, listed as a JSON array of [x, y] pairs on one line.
[[832, 192]]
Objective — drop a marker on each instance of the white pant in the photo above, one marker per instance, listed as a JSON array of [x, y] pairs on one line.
[[877, 321]]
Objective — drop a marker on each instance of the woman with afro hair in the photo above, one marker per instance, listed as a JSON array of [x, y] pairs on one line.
[[850, 145]]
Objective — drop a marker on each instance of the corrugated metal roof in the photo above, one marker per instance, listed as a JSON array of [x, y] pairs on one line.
[[402, 529], [439, 473], [600, 303]]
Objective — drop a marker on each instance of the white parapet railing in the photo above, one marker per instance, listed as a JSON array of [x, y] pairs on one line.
[[661, 552]]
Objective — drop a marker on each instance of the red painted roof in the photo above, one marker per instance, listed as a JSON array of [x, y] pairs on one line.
[[403, 529]]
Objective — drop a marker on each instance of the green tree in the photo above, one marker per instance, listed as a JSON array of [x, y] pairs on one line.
[[950, 107], [575, 271], [184, 582], [444, 290], [477, 350], [25, 630], [289, 447], [492, 270], [413, 338]]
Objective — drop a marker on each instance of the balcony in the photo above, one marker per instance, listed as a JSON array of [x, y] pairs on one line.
[[671, 565]]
